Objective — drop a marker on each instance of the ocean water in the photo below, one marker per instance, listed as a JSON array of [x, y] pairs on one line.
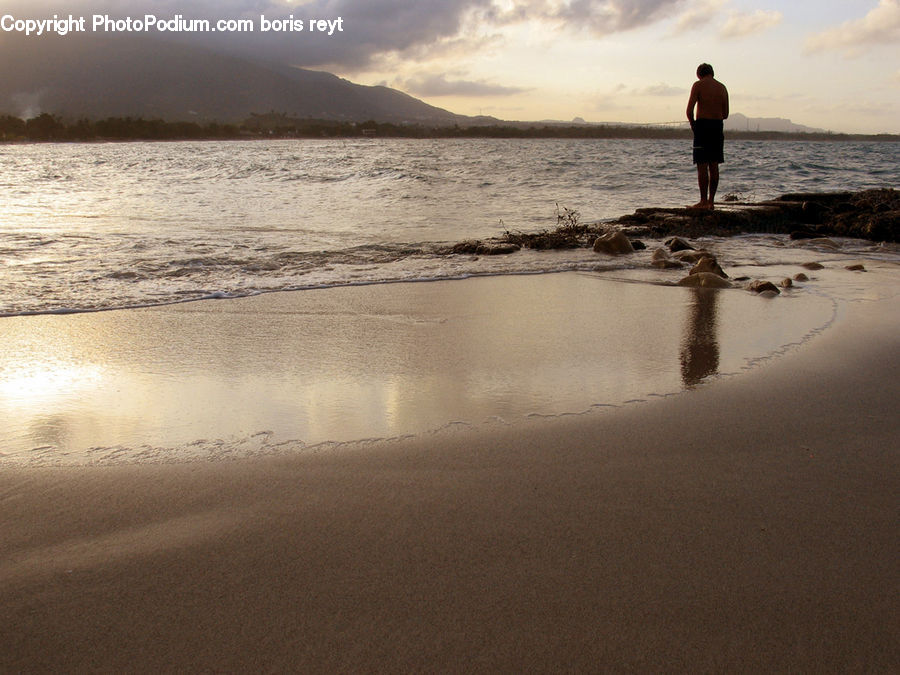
[[110, 225]]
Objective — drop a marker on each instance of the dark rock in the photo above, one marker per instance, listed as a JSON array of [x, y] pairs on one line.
[[637, 231], [667, 264], [613, 243], [708, 264], [882, 226], [678, 244], [478, 247], [663, 260], [660, 254], [800, 277], [705, 280], [634, 219], [465, 247], [813, 213], [813, 266], [787, 282], [804, 234], [760, 286], [638, 245], [542, 241], [829, 198], [693, 256], [856, 268], [824, 241], [497, 249]]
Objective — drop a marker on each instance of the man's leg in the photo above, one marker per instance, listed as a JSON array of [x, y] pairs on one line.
[[713, 182], [703, 182]]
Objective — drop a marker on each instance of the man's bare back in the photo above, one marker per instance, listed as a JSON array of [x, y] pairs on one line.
[[711, 99]]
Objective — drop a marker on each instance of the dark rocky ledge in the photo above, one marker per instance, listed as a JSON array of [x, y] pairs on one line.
[[869, 214]]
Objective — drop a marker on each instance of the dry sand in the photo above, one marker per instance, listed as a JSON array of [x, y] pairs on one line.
[[746, 525]]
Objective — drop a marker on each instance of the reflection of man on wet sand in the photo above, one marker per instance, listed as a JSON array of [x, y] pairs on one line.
[[700, 345], [711, 99]]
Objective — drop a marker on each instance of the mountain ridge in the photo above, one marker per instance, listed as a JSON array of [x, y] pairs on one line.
[[95, 78]]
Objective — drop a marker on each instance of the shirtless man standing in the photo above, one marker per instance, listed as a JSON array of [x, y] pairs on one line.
[[711, 98]]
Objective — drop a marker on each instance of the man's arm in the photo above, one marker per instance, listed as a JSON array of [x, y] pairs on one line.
[[725, 103], [692, 101]]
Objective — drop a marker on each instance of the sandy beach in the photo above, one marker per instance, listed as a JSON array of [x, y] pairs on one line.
[[746, 524]]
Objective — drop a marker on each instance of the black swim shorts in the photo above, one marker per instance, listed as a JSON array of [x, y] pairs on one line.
[[709, 141]]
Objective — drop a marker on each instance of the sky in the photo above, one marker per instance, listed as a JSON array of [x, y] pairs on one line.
[[829, 64]]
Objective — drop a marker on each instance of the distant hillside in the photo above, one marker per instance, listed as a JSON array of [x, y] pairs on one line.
[[739, 122], [735, 122], [97, 77]]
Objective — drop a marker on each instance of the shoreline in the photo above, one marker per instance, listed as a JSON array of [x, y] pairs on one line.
[[152, 130], [746, 524]]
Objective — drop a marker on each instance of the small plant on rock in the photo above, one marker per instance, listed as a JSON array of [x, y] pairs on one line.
[[567, 221]]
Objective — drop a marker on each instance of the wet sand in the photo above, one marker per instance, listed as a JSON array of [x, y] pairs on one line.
[[227, 378], [747, 524]]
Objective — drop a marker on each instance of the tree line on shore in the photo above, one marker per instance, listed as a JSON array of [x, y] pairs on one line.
[[47, 127]]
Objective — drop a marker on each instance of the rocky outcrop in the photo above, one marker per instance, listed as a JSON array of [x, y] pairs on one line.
[[870, 214]]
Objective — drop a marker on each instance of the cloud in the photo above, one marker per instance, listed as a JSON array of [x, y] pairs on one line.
[[661, 89], [614, 99], [698, 15], [372, 29], [610, 16], [880, 26], [439, 85], [599, 16], [740, 24]]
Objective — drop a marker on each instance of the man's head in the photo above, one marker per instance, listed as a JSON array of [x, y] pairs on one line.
[[704, 69]]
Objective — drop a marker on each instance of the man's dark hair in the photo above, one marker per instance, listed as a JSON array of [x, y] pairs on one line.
[[704, 69]]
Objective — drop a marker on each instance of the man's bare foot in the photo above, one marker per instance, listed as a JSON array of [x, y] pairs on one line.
[[702, 204]]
